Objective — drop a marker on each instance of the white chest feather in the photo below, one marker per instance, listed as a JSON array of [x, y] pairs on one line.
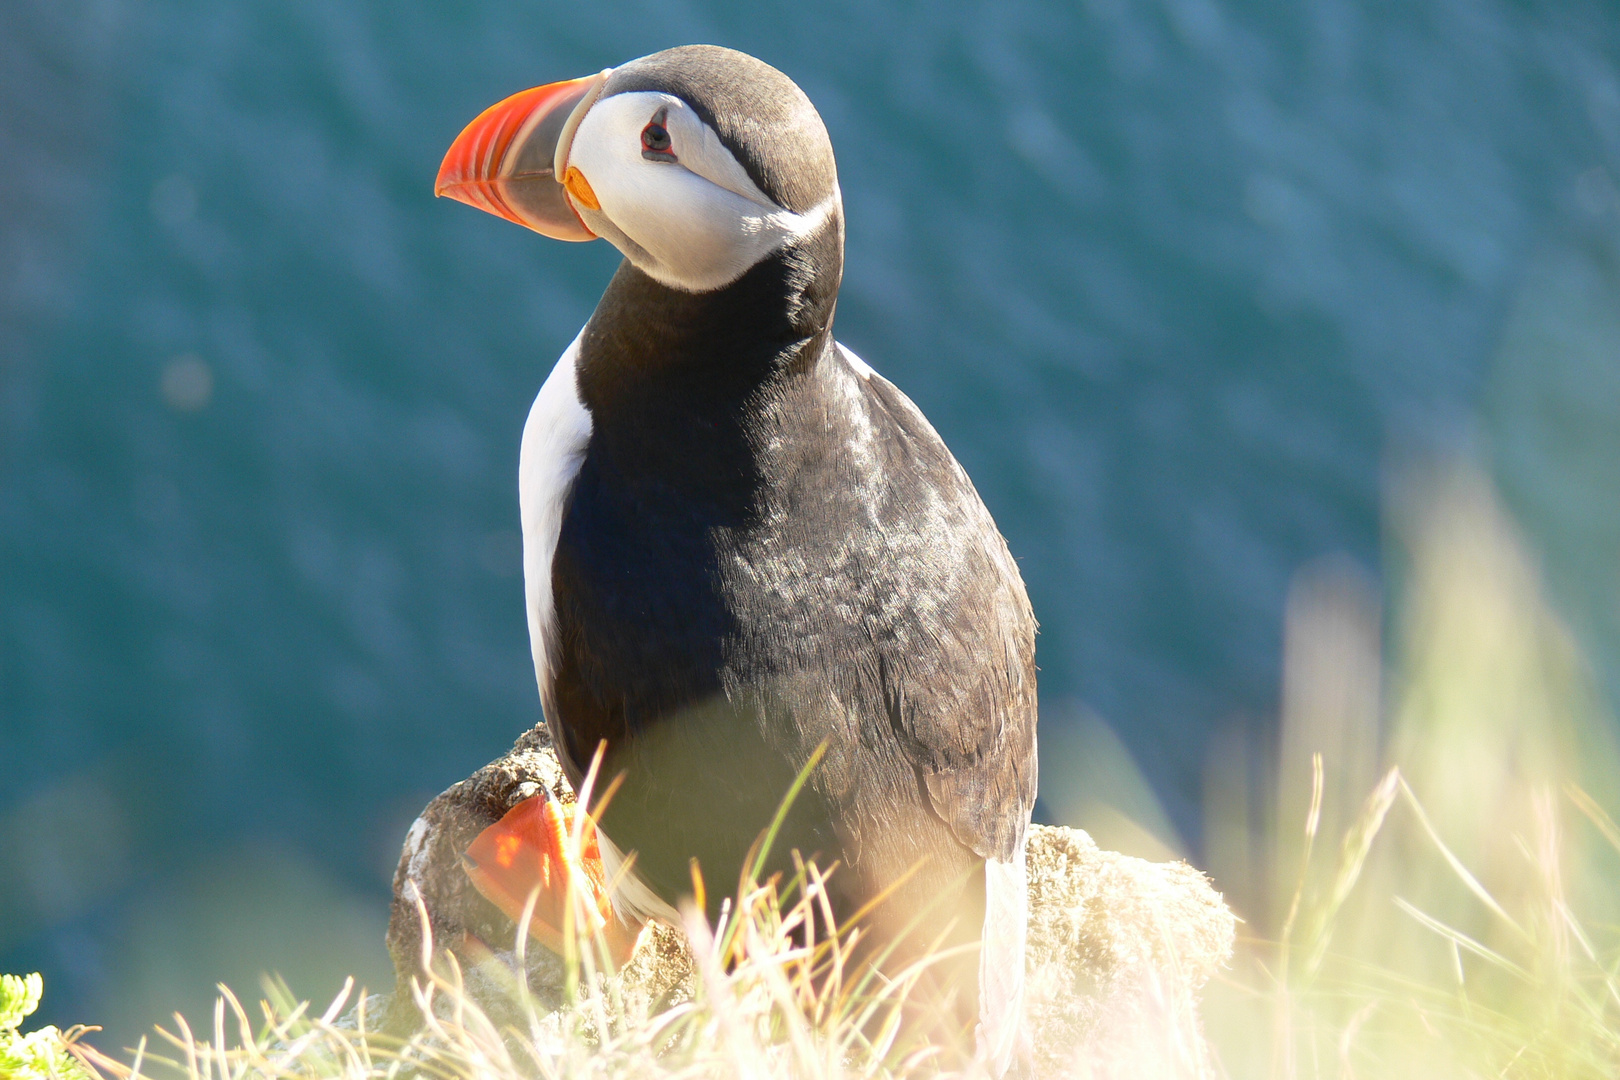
[[1001, 961], [554, 440]]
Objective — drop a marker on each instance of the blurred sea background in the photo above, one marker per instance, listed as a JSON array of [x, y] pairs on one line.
[[1205, 295]]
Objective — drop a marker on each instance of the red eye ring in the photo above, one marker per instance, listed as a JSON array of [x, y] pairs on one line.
[[655, 141]]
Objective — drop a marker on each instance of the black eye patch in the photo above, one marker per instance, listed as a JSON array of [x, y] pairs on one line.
[[655, 144]]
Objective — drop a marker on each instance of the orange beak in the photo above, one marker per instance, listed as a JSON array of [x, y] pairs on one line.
[[532, 851], [512, 160]]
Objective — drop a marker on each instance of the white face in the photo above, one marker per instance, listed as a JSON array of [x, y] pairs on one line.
[[673, 198]]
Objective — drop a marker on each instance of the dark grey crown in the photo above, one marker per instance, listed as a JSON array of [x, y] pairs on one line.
[[760, 114]]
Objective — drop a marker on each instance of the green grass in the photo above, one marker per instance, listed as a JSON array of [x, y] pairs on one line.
[[1434, 882], [36, 1055], [1428, 869]]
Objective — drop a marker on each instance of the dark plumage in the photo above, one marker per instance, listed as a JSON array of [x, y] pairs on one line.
[[762, 542]]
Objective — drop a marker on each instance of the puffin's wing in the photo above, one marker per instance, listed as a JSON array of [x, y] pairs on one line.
[[963, 708]]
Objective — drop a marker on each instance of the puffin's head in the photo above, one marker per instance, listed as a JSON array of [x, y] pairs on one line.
[[696, 163]]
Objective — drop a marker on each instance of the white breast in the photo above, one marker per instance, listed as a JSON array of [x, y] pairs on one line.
[[554, 440]]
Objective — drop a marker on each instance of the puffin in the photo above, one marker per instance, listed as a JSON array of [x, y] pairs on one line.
[[748, 558]]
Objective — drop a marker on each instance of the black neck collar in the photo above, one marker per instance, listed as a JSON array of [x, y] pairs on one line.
[[773, 321]]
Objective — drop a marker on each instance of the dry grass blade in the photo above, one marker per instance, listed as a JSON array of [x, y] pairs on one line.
[[1462, 940], [1457, 866], [1594, 813]]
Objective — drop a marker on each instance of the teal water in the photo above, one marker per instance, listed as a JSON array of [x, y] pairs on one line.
[[1176, 279]]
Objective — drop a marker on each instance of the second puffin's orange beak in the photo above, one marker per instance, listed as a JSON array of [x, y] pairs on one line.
[[510, 160], [531, 849], [541, 849]]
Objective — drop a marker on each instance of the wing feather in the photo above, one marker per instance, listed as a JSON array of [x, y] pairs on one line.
[[963, 709]]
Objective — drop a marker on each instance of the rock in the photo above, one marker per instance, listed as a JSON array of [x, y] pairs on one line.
[[1118, 947], [1118, 950]]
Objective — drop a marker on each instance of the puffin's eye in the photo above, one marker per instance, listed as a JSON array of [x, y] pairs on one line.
[[655, 139]]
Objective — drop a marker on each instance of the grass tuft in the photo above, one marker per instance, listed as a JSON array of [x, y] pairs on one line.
[[1429, 874], [778, 992], [1458, 918]]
